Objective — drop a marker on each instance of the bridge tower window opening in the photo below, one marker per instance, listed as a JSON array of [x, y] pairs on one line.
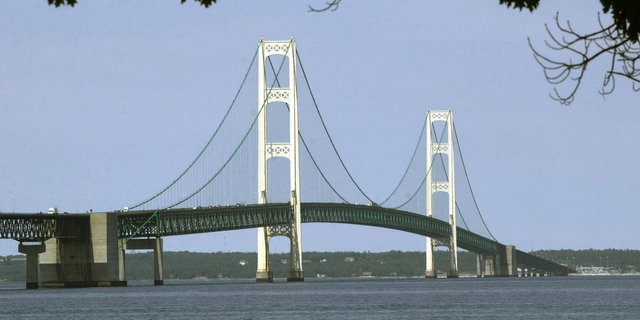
[[278, 122], [441, 206], [272, 66], [278, 178]]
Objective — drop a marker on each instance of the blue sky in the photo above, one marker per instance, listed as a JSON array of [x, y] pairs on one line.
[[104, 103]]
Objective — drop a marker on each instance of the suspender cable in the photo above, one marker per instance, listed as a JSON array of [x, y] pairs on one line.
[[305, 144], [262, 109], [468, 182], [211, 139], [327, 132], [428, 170], [410, 162]]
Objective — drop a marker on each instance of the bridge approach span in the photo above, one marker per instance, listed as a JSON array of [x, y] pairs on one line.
[[39, 227]]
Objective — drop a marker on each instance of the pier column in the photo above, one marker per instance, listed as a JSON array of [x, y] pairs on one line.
[[121, 261], [263, 274], [490, 267], [430, 272], [32, 252], [158, 278], [480, 265], [512, 269]]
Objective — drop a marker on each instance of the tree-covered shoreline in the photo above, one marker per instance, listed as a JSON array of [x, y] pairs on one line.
[[185, 265]]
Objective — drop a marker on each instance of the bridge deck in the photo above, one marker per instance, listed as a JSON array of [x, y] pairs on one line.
[[182, 221]]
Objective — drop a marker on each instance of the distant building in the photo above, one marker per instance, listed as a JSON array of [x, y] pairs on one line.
[[320, 275], [323, 260], [367, 274], [242, 262], [349, 259], [306, 261], [284, 261]]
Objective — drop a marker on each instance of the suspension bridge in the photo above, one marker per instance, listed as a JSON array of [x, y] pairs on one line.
[[271, 164]]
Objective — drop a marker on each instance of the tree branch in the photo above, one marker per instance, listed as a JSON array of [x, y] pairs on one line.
[[330, 5], [608, 40]]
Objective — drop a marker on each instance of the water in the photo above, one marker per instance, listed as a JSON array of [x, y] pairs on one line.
[[596, 297]]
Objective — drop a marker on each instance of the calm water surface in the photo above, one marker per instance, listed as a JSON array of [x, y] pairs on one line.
[[604, 297]]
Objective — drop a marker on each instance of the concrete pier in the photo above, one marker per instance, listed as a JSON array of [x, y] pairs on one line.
[[510, 259], [490, 266], [32, 252], [480, 266], [90, 260]]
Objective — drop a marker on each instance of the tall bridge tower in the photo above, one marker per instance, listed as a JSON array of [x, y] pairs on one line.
[[444, 146], [288, 149]]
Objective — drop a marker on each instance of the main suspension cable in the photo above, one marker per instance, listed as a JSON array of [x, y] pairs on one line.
[[210, 140], [428, 170], [305, 144], [264, 103], [469, 183], [327, 132], [410, 162]]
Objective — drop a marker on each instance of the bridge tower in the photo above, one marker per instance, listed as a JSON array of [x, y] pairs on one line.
[[445, 146], [268, 149]]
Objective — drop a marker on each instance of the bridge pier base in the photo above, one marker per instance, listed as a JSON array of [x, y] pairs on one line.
[[32, 252], [295, 276], [264, 276]]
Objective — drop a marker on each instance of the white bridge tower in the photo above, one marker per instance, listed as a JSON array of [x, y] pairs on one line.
[[445, 146], [268, 149]]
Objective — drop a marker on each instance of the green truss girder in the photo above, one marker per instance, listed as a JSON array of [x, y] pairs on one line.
[[202, 220], [40, 227]]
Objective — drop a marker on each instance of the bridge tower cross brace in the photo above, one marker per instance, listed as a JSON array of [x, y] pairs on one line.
[[442, 186], [289, 150]]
